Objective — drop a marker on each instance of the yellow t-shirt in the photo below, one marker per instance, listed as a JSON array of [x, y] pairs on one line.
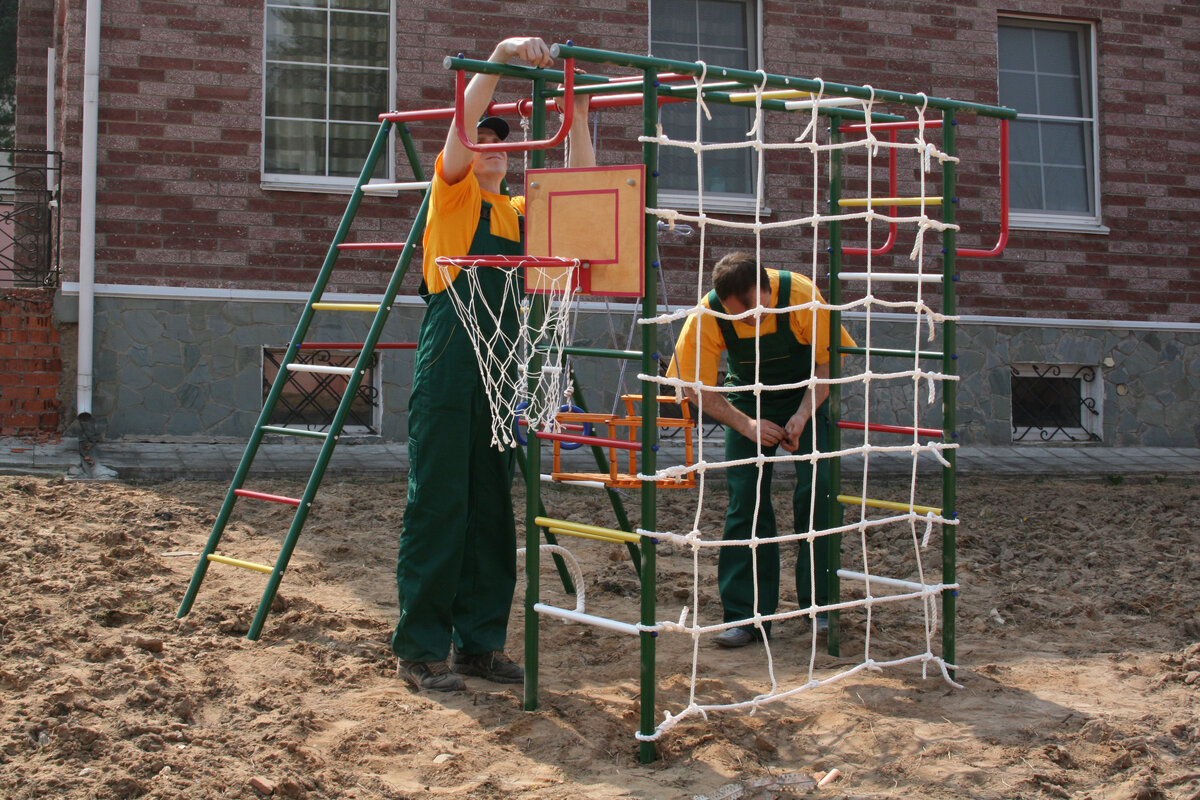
[[453, 217], [685, 363]]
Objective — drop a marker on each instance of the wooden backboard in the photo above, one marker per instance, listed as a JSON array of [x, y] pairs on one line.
[[595, 214]]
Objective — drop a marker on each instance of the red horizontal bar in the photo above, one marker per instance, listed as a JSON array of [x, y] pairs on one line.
[[371, 246], [889, 126], [858, 426], [357, 346], [592, 440], [504, 261], [565, 426], [271, 498]]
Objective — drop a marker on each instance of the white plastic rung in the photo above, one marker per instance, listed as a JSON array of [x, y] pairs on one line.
[[388, 188], [827, 102], [895, 583], [588, 619], [321, 369], [906, 277]]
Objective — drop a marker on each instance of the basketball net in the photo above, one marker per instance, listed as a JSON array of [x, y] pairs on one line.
[[521, 367]]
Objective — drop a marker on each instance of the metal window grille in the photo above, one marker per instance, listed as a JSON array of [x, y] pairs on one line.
[[29, 221], [1053, 403], [310, 399]]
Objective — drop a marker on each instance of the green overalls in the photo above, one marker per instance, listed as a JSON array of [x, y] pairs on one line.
[[456, 570], [783, 360]]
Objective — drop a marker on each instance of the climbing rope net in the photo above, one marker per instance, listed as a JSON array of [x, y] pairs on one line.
[[519, 352], [863, 376]]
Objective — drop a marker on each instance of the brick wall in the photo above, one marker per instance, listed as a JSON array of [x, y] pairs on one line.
[[180, 201], [30, 363]]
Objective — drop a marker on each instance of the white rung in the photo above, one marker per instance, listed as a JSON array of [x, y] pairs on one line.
[[321, 369], [895, 583], [799, 105], [587, 619], [388, 188], [909, 277]]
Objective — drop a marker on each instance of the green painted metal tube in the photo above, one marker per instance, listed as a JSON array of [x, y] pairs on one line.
[[649, 520], [886, 353], [833, 542], [243, 469], [343, 409], [770, 104], [410, 151], [655, 65], [949, 387]]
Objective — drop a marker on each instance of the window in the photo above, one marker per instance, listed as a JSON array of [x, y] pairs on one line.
[[327, 75], [310, 399], [1047, 75], [720, 33], [1056, 403]]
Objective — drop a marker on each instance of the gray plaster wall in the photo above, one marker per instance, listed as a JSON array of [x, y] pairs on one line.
[[193, 369]]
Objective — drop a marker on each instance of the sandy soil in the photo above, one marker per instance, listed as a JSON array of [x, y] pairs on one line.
[[1078, 645]]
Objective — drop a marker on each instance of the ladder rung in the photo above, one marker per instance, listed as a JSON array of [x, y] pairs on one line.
[[346, 306], [270, 498], [595, 441], [295, 432], [906, 277], [321, 369], [589, 619], [587, 531], [859, 202], [858, 426], [849, 500], [372, 246], [885, 352], [356, 346], [235, 562], [827, 102], [387, 188]]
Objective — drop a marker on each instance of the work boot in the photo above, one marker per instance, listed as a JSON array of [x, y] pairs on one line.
[[493, 666], [735, 637], [433, 675]]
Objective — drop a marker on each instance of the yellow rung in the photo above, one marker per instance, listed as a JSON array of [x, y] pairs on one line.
[[889, 504], [582, 535], [774, 94], [233, 562], [858, 202], [586, 531], [346, 306]]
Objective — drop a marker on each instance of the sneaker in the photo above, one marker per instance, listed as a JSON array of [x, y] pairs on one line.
[[734, 637], [433, 675], [494, 666]]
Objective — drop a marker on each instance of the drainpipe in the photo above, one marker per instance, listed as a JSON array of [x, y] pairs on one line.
[[87, 210]]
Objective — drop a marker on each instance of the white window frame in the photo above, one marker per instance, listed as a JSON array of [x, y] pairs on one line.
[[726, 202], [326, 183], [1050, 221], [1093, 390]]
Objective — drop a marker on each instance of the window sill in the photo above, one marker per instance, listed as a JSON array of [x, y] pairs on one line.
[[1036, 222], [721, 203]]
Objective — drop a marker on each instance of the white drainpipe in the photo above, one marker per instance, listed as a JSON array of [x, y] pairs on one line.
[[87, 210]]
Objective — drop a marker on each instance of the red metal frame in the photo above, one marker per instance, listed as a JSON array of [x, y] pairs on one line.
[[970, 252], [356, 346], [858, 426], [568, 106], [592, 440]]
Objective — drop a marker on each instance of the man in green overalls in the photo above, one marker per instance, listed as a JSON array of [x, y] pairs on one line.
[[788, 348], [456, 568]]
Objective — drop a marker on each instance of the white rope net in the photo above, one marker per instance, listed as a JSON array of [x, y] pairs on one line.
[[868, 530], [519, 352]]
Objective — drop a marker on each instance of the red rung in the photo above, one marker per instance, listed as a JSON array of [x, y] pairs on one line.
[[592, 440], [858, 426], [271, 498], [892, 192], [970, 252], [371, 246], [563, 425], [357, 346]]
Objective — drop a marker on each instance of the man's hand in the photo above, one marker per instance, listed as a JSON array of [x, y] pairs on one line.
[[530, 49], [795, 425], [764, 432]]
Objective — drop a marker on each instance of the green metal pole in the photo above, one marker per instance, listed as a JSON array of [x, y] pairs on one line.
[[833, 542], [949, 387], [649, 415], [533, 458], [243, 469]]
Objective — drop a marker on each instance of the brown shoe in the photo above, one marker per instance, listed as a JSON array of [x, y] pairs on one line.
[[433, 675], [493, 666]]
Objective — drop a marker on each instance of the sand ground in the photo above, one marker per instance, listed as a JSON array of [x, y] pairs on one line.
[[1078, 648]]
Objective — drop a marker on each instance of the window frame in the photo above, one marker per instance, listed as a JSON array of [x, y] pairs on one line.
[[724, 202], [1065, 221], [1091, 395], [325, 183]]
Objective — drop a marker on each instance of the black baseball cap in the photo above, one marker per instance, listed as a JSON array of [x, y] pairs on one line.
[[495, 124]]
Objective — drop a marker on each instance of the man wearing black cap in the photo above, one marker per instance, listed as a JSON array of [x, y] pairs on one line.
[[456, 570]]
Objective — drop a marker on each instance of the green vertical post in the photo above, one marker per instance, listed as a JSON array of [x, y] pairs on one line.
[[264, 418], [833, 542], [649, 411], [949, 387], [533, 457]]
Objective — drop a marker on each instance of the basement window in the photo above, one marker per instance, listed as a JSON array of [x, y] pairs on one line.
[[1056, 403], [310, 400]]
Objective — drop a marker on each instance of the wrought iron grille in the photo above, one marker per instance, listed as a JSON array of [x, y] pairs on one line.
[[30, 181], [1053, 405], [310, 399]]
